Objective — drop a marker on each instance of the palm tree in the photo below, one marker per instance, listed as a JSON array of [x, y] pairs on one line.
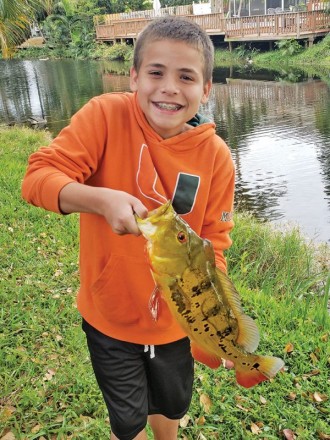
[[15, 18]]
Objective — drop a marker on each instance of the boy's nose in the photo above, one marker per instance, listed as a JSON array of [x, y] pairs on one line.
[[170, 86]]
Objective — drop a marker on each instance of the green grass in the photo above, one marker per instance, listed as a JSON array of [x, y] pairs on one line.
[[47, 385], [223, 57]]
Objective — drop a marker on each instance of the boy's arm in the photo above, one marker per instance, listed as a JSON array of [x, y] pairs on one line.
[[56, 175], [117, 207]]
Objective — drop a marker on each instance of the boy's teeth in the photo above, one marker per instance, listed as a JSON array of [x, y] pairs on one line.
[[168, 106]]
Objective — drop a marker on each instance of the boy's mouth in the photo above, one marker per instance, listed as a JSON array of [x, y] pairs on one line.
[[168, 106]]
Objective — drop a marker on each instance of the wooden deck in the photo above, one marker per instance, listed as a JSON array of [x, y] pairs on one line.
[[298, 25]]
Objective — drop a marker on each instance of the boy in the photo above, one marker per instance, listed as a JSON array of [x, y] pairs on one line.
[[126, 153]]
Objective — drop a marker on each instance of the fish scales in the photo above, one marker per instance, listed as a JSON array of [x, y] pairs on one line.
[[203, 299], [203, 306]]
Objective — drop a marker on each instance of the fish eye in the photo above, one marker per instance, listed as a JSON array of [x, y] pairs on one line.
[[182, 237]]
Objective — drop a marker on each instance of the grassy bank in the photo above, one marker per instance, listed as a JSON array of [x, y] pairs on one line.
[[314, 60], [289, 59], [286, 52], [47, 386]]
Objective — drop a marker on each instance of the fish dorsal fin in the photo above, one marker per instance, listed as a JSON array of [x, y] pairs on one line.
[[230, 293], [248, 333]]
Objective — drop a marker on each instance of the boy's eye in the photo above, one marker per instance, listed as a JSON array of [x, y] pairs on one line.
[[187, 78], [155, 73]]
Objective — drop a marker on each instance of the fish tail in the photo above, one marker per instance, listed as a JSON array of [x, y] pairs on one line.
[[262, 368]]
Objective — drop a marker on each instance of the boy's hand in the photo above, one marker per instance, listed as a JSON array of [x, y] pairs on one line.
[[228, 364], [117, 207]]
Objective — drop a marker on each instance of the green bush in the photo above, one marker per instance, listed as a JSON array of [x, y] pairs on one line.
[[122, 52], [289, 47]]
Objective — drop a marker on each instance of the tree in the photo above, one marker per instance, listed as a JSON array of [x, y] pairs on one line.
[[15, 16], [71, 27], [169, 3], [117, 6]]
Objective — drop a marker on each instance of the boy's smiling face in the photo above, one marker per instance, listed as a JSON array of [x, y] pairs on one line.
[[170, 85]]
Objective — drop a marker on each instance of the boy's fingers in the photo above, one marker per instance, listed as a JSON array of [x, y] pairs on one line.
[[139, 209], [228, 364]]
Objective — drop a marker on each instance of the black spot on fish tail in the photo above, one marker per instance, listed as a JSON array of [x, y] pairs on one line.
[[246, 364], [256, 366]]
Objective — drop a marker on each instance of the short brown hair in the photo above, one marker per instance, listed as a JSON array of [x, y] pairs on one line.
[[179, 29]]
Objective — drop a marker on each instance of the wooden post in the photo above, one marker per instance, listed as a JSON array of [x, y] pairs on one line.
[[298, 25]]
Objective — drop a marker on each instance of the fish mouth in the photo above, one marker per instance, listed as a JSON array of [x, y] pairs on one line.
[[158, 212], [148, 226]]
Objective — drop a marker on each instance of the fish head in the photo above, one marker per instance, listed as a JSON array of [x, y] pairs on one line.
[[170, 240]]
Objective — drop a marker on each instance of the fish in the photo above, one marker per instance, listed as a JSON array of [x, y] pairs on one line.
[[202, 298]]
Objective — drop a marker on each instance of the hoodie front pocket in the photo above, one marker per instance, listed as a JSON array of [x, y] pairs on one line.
[[122, 290]]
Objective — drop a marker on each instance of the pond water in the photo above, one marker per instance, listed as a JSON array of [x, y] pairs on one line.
[[278, 132]]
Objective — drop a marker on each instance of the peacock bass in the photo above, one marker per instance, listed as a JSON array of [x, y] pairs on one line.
[[202, 298]]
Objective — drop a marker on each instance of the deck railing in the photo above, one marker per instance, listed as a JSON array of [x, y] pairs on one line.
[[212, 23], [120, 29], [149, 14], [278, 25], [286, 24]]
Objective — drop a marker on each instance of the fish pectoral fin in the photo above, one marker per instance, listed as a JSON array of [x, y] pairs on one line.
[[248, 334], [263, 368], [154, 302], [205, 358]]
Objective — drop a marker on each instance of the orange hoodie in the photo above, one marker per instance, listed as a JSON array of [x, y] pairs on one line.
[[109, 143]]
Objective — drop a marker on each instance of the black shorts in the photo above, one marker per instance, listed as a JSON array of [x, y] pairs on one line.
[[138, 380]]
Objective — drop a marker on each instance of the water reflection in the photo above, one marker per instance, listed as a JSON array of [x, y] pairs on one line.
[[52, 89], [279, 133], [279, 136]]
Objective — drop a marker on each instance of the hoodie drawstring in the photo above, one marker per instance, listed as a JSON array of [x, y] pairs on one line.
[[152, 350]]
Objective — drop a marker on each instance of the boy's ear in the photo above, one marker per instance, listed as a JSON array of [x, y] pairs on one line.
[[133, 79], [206, 92]]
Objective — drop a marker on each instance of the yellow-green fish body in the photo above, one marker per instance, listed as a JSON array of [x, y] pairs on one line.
[[202, 298]]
